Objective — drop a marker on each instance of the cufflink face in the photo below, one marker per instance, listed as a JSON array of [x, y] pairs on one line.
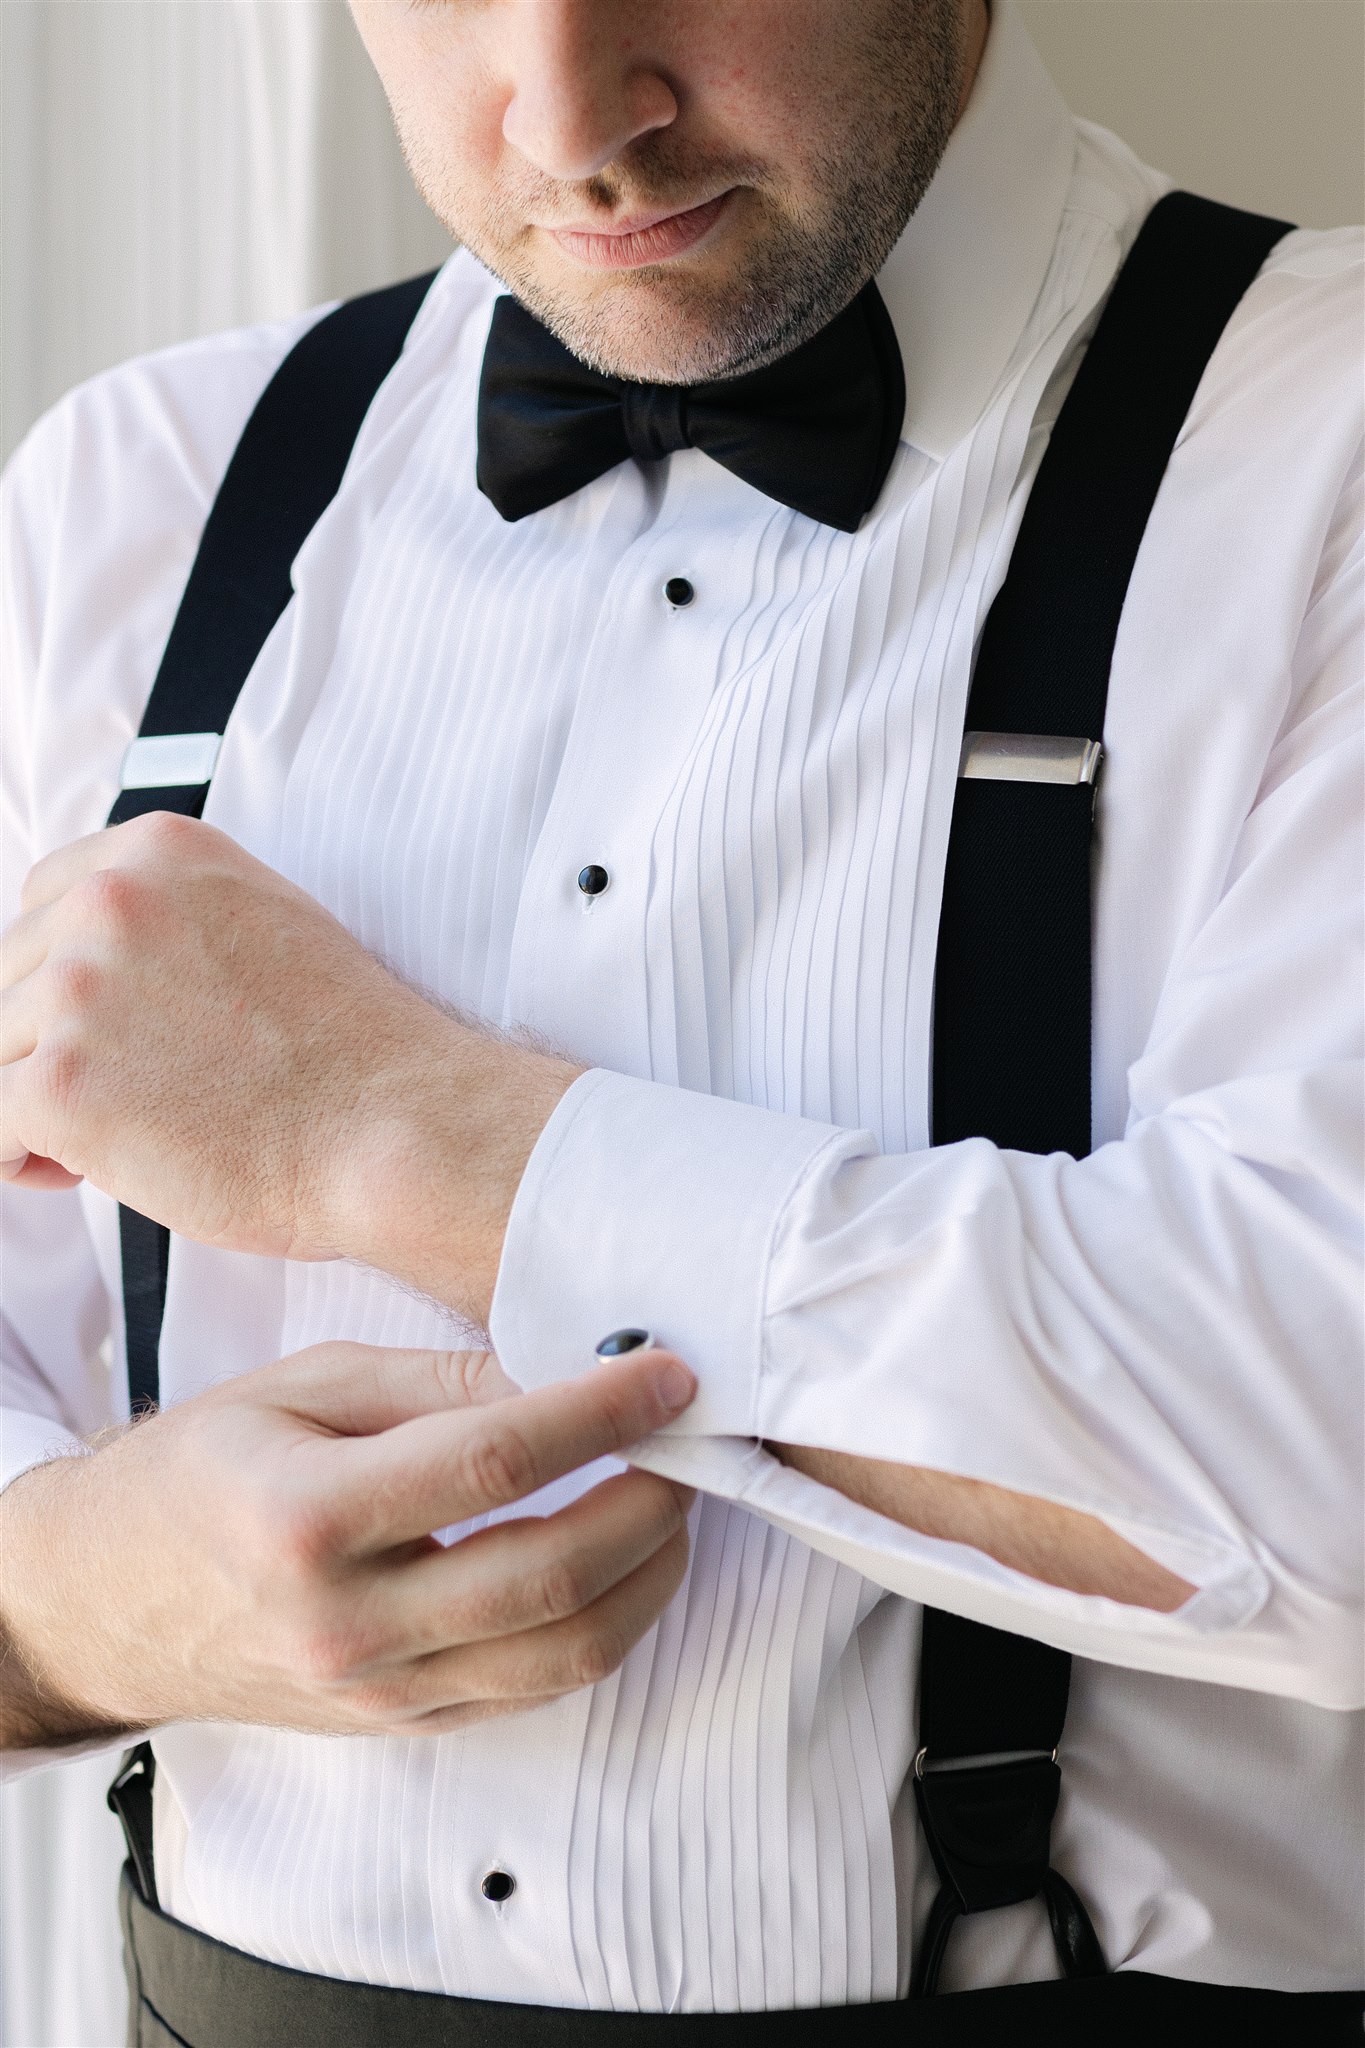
[[619, 1342]]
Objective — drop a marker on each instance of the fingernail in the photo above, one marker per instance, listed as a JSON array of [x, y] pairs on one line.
[[676, 1385], [618, 1342]]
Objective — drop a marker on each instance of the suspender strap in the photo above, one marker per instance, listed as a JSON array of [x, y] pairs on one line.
[[1012, 994], [130, 1797], [285, 471]]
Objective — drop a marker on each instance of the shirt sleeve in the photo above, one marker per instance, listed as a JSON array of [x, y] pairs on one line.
[[101, 509], [54, 1307], [1165, 1335]]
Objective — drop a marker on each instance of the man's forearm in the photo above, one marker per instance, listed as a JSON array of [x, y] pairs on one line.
[[1057, 1545]]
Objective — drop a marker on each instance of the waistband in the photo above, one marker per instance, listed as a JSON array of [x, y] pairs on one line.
[[189, 1990]]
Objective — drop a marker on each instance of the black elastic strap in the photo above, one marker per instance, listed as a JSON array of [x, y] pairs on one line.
[[286, 469], [1012, 1002], [130, 1797]]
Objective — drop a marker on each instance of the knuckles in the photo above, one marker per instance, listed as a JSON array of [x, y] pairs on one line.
[[559, 1590], [306, 1537], [594, 1655], [495, 1465], [386, 1701], [61, 1070], [113, 903], [333, 1656], [75, 985], [166, 835]]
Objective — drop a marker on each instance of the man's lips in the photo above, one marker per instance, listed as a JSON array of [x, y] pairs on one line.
[[648, 238]]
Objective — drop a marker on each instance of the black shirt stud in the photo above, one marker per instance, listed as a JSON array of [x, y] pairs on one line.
[[592, 880], [679, 592], [498, 1885]]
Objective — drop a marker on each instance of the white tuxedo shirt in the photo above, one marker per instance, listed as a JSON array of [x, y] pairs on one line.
[[453, 716]]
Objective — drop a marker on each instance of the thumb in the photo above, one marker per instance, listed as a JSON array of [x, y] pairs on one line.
[[31, 1170]]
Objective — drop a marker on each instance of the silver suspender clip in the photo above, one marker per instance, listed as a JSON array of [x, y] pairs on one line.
[[1028, 757], [172, 760]]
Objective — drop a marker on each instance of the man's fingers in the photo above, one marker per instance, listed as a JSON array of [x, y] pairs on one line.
[[40, 1176], [437, 1469], [21, 1020], [155, 836], [61, 869], [520, 1574], [16, 1116], [117, 846], [358, 1389], [22, 1116], [24, 945], [561, 1657]]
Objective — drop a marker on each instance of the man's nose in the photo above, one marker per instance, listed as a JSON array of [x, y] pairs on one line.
[[583, 88]]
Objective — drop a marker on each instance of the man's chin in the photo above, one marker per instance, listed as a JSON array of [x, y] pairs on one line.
[[650, 327]]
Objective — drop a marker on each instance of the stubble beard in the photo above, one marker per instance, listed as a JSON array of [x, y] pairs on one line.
[[800, 266]]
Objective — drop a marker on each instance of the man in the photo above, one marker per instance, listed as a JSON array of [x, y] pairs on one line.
[[558, 951]]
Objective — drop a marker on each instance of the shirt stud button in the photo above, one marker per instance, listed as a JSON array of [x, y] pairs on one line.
[[498, 1885], [679, 592], [593, 880]]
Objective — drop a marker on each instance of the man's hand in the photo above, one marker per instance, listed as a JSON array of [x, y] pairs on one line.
[[263, 1552], [199, 1038]]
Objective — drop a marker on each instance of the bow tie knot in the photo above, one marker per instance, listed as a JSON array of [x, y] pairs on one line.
[[655, 420], [816, 430]]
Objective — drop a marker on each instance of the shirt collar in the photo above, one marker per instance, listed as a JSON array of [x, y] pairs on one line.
[[963, 278]]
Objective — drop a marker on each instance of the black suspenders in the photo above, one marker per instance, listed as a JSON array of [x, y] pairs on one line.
[[1012, 990], [1012, 1000], [285, 471]]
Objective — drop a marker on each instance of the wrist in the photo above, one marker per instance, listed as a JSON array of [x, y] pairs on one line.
[[39, 1706], [425, 1182]]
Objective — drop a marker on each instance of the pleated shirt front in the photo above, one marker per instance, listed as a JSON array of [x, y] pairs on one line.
[[455, 716]]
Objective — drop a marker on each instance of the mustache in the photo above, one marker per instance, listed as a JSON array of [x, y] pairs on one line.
[[655, 172]]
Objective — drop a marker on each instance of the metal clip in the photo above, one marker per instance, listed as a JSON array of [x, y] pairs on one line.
[[924, 1763], [1028, 757], [171, 760]]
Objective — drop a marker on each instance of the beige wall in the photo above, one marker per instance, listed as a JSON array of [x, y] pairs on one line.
[[1259, 102]]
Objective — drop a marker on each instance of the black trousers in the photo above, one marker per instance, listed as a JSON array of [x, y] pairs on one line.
[[186, 1991]]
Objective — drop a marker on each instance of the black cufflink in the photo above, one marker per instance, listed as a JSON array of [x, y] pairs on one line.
[[619, 1342]]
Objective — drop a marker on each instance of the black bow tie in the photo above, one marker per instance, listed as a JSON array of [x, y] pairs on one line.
[[816, 430]]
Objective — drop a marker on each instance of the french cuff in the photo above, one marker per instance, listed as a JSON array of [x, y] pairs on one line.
[[27, 1439], [651, 1207]]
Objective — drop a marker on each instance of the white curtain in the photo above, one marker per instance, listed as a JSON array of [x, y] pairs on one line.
[[169, 167], [175, 166]]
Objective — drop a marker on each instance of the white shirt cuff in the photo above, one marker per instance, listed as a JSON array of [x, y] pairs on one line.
[[591, 1245]]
